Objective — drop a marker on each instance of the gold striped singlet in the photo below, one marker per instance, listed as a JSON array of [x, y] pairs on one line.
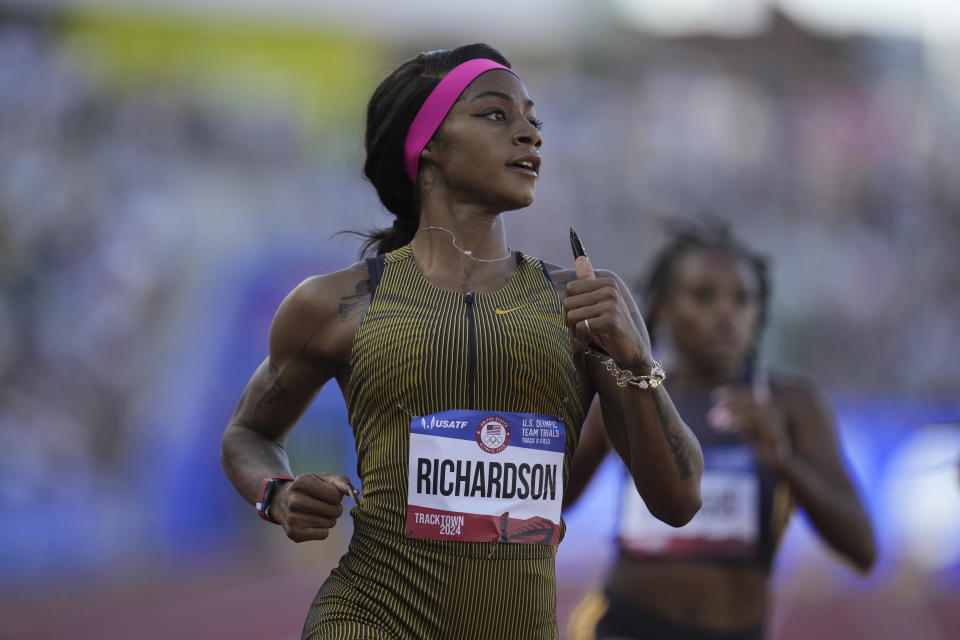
[[420, 350]]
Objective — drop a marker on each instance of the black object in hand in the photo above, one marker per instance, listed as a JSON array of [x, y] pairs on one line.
[[576, 245]]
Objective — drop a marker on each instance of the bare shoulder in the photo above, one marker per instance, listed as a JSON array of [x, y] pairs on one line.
[[323, 295], [606, 273], [805, 404], [560, 275], [797, 391], [322, 313]]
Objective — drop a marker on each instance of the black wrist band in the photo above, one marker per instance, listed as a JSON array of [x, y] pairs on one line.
[[267, 490]]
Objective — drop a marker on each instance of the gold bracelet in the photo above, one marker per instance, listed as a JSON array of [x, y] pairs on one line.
[[624, 376]]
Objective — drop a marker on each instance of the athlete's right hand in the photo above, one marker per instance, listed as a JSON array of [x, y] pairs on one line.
[[308, 507]]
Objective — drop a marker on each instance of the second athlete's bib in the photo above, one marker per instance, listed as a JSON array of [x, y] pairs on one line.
[[727, 525], [485, 476]]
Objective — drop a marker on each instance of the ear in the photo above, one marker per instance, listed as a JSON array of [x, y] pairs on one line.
[[429, 161], [434, 147], [427, 153]]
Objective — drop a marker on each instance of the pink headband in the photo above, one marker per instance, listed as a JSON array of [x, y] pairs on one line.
[[436, 107]]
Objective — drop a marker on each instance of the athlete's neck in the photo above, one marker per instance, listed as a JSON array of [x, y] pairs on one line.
[[464, 250]]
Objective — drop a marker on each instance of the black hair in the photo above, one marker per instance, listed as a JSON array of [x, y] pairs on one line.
[[391, 110], [705, 233]]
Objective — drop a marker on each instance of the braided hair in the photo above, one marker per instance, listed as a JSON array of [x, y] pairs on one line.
[[704, 233]]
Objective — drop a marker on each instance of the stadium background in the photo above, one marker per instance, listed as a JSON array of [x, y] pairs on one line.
[[168, 170]]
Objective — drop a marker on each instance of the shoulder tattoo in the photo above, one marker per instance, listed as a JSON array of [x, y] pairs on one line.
[[351, 306]]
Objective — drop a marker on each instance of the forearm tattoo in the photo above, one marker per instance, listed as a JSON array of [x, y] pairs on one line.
[[272, 395], [678, 448]]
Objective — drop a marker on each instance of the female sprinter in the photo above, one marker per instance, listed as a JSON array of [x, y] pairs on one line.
[[768, 442], [464, 386]]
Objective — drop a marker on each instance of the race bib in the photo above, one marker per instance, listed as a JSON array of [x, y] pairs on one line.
[[727, 525], [483, 476]]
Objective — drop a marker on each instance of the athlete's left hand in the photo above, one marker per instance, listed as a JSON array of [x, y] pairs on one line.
[[758, 421], [600, 302]]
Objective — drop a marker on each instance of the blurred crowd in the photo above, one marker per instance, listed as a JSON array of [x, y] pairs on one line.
[[836, 158], [119, 211]]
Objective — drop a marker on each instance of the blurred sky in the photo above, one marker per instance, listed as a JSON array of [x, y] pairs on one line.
[[169, 170], [937, 19]]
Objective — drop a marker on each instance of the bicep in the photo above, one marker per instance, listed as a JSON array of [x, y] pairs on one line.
[[276, 396], [286, 382]]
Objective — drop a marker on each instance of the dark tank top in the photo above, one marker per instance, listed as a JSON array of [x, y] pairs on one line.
[[421, 359], [421, 350], [745, 506]]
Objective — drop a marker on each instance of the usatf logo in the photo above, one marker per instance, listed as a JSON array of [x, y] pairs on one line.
[[493, 434], [442, 424]]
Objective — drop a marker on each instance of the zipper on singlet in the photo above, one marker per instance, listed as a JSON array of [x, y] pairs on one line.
[[471, 347]]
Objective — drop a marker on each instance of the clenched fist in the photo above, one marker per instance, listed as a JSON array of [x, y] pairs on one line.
[[308, 507], [599, 313]]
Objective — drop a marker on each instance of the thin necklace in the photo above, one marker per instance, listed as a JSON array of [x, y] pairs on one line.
[[465, 252]]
